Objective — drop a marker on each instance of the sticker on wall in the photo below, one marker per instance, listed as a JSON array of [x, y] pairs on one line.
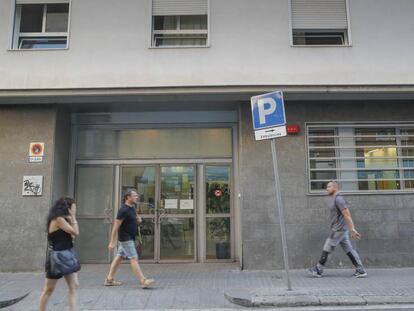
[[32, 185], [36, 152], [218, 193]]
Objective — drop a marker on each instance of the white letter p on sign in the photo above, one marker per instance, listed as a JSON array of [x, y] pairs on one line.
[[265, 110]]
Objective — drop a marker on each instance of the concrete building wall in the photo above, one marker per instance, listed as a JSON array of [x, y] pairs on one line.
[[386, 222], [250, 45], [23, 219]]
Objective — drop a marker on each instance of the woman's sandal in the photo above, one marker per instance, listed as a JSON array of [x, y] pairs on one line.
[[147, 283], [112, 283]]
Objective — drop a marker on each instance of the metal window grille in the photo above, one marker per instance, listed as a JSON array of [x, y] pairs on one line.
[[361, 157]]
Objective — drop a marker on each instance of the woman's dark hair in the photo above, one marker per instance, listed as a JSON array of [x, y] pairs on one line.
[[59, 209]]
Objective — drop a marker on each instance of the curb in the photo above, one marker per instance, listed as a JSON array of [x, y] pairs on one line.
[[251, 300]]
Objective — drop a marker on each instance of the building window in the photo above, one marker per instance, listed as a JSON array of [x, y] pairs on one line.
[[319, 22], [178, 23], [41, 25], [362, 158]]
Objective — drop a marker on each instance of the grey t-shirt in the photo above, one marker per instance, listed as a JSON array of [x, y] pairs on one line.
[[336, 204]]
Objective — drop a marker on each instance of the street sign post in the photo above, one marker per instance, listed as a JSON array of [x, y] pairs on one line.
[[269, 122]]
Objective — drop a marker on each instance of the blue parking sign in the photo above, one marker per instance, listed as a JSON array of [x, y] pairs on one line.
[[268, 110]]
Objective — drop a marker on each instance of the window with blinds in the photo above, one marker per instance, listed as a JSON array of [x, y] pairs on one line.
[[319, 22], [41, 25], [361, 157], [178, 23]]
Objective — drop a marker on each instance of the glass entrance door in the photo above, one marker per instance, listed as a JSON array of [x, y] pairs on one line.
[[167, 206], [94, 197], [177, 213], [144, 179]]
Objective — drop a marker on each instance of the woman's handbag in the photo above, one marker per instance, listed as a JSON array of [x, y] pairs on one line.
[[63, 262]]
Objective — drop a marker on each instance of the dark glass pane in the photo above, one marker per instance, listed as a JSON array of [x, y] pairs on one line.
[[165, 22], [193, 22], [217, 189], [375, 136], [318, 38], [141, 178], [145, 237], [322, 164], [323, 175], [180, 40], [318, 185], [31, 18], [177, 238], [177, 189], [57, 17], [218, 238], [322, 153]]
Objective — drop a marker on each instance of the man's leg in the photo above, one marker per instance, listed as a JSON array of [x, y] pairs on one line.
[[353, 256], [112, 270], [136, 269], [328, 248]]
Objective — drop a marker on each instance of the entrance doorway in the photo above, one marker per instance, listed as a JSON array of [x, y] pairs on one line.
[[168, 206], [186, 210]]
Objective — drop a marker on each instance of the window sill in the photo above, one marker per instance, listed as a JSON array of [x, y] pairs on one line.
[[179, 47], [385, 192], [25, 50], [320, 46]]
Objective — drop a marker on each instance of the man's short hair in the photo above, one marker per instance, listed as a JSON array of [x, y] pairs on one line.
[[334, 182], [128, 193]]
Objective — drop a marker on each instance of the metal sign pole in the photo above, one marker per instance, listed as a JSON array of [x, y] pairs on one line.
[[281, 214]]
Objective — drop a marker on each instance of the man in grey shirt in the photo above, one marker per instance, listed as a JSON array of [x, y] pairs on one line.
[[341, 225]]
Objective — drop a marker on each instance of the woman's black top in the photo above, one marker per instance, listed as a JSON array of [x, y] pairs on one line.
[[60, 240]]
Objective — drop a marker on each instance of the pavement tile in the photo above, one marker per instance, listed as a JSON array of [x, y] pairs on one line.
[[202, 286]]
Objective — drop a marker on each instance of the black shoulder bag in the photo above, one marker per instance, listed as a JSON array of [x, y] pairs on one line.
[[63, 262]]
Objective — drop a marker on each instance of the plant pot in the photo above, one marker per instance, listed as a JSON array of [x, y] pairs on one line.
[[223, 250]]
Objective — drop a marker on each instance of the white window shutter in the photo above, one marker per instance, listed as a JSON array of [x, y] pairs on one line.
[[179, 7], [319, 14], [40, 1]]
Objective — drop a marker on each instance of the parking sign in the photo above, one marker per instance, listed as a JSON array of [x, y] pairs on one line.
[[268, 114], [269, 122]]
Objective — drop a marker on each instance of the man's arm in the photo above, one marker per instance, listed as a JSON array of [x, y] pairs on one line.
[[348, 219], [115, 229]]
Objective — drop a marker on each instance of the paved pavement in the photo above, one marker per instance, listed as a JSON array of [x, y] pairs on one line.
[[201, 286]]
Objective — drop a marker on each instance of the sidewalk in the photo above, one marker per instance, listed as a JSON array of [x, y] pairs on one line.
[[204, 286]]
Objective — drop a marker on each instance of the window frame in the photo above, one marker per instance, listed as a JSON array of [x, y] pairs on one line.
[[347, 31], [152, 32], [16, 35], [399, 168]]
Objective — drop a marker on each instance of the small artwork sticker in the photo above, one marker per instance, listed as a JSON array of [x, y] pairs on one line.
[[218, 193], [32, 185]]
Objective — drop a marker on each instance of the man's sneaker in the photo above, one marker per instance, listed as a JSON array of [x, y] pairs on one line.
[[360, 273], [315, 271]]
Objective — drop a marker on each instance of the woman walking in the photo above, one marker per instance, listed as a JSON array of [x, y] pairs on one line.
[[61, 260]]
